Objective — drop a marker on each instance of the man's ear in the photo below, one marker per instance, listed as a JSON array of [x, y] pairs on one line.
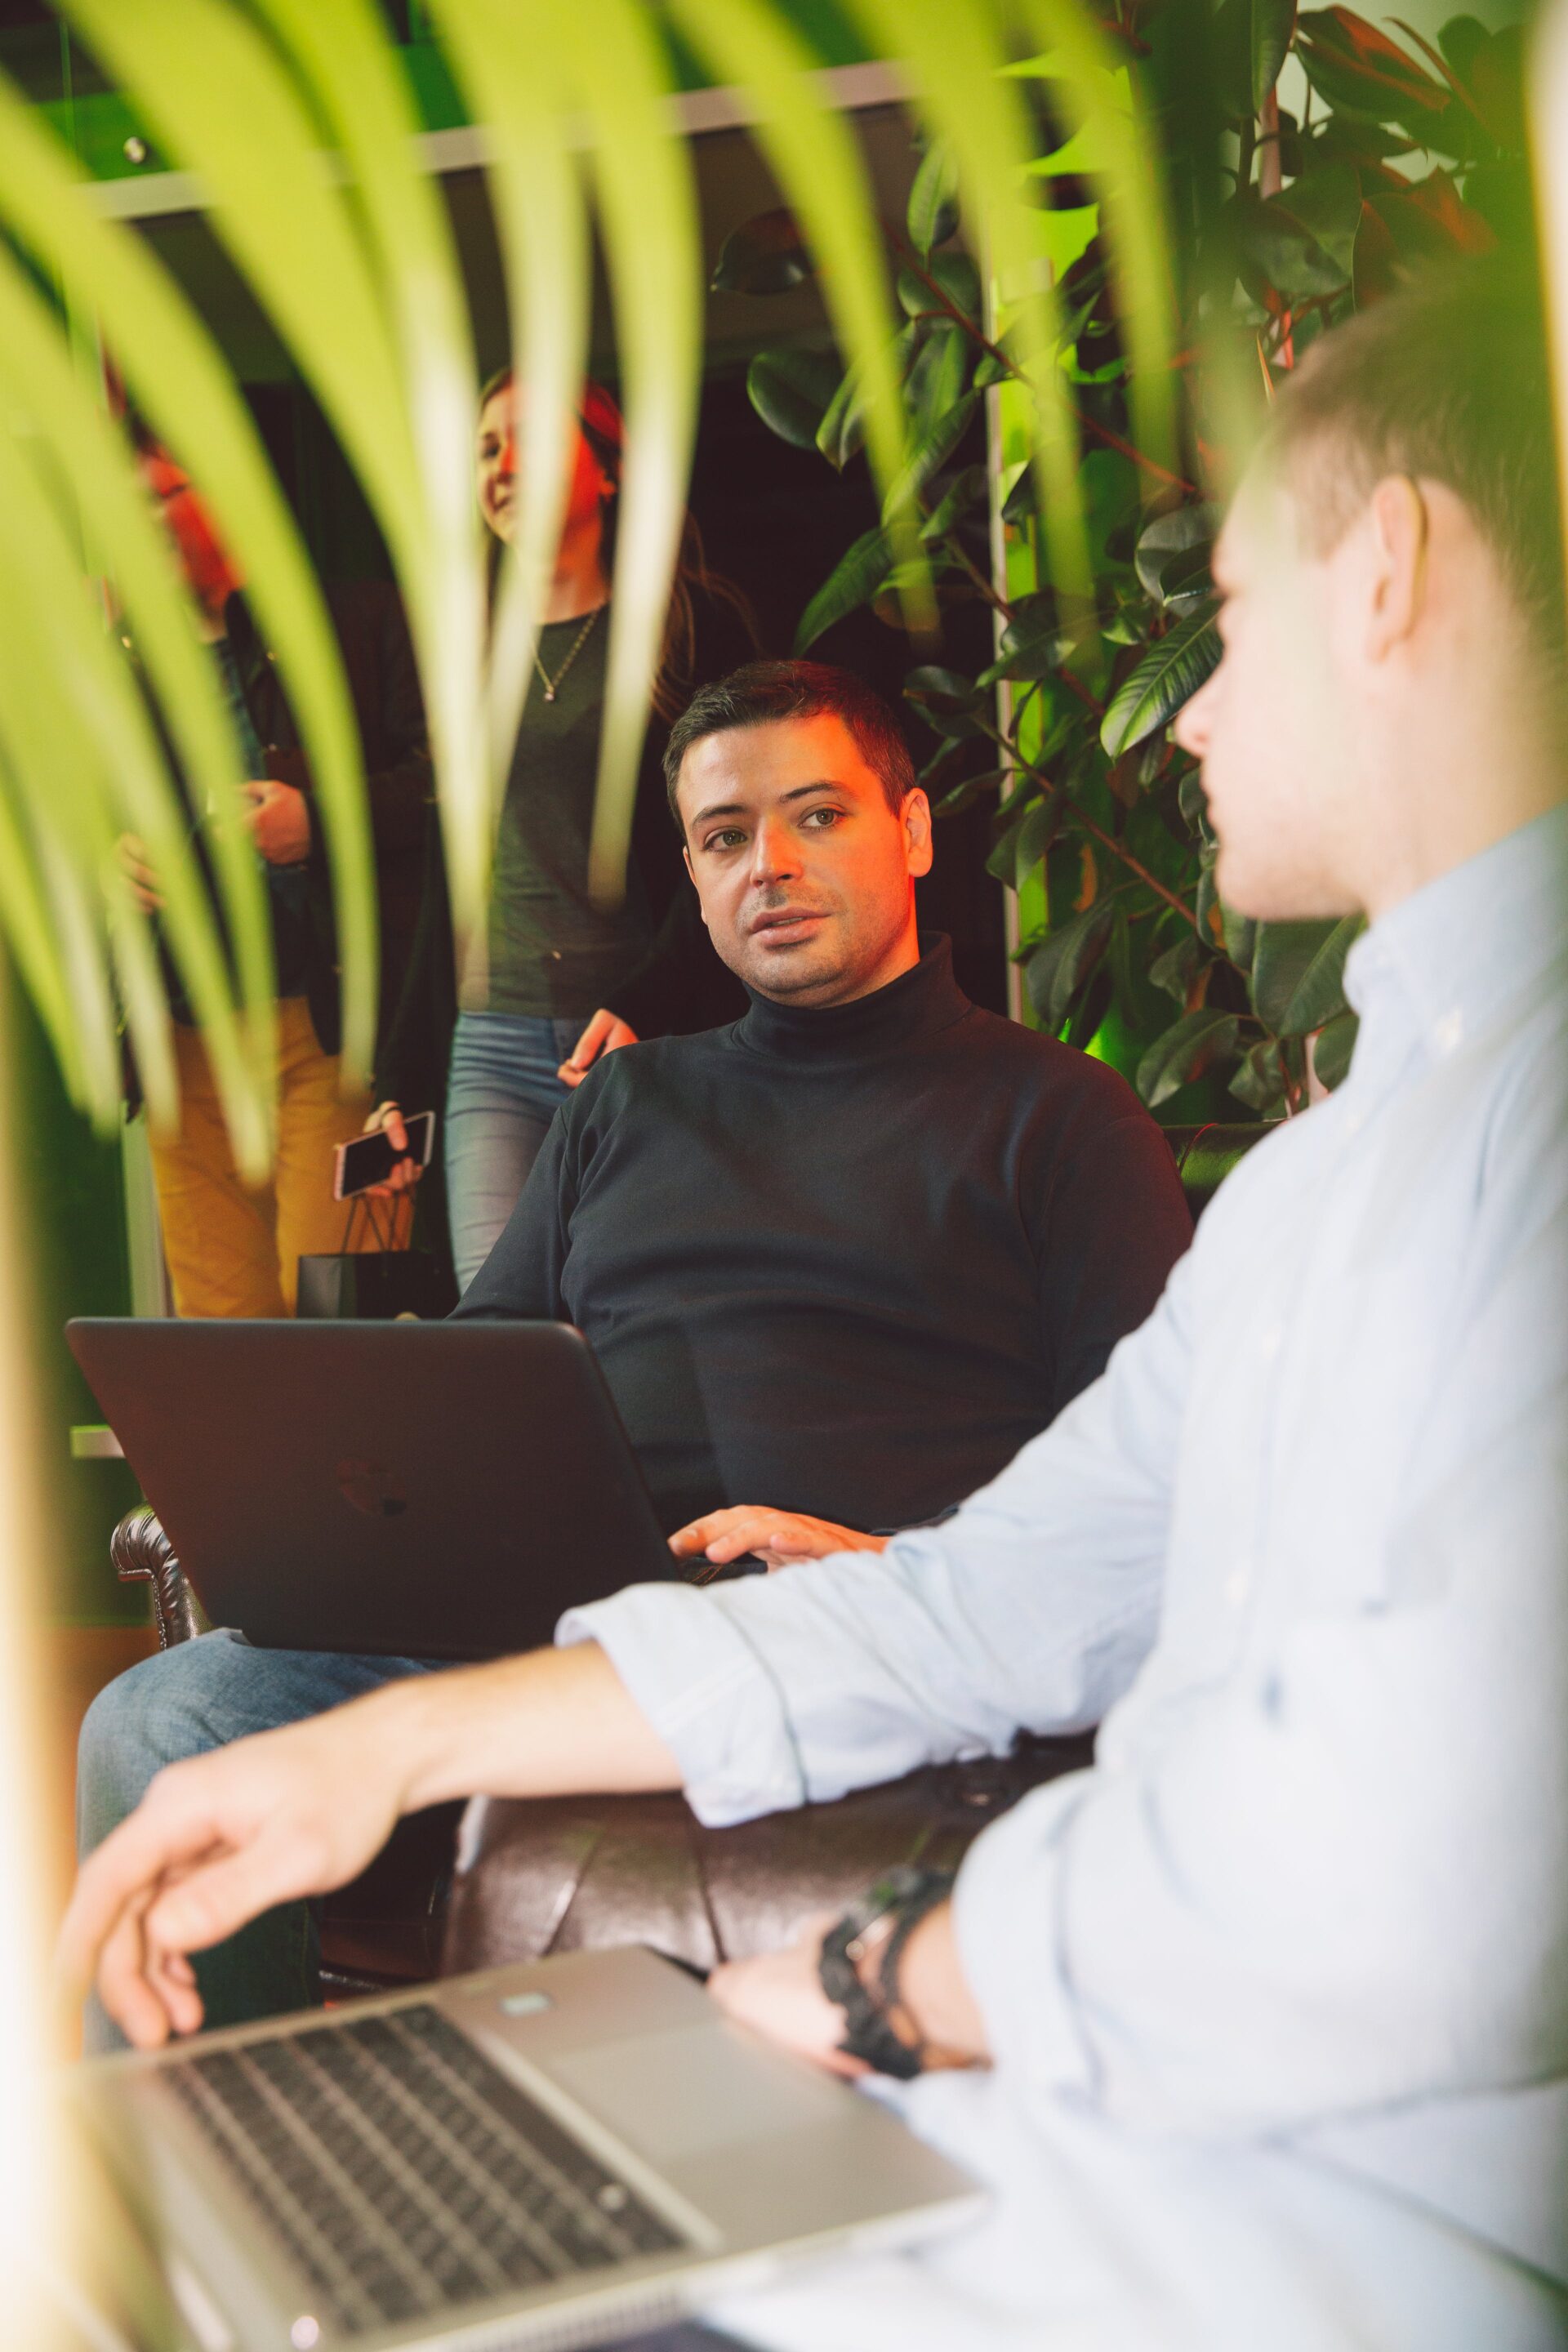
[[1397, 512], [686, 861], [915, 818]]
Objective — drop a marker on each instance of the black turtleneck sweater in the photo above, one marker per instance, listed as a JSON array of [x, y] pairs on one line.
[[843, 1261]]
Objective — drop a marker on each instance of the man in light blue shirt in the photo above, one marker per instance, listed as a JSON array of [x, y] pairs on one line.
[[1261, 2027]]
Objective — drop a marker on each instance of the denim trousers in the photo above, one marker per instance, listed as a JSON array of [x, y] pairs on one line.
[[200, 1695], [501, 1094]]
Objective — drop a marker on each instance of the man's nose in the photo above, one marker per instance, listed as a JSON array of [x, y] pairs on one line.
[[1193, 722], [775, 853], [507, 461]]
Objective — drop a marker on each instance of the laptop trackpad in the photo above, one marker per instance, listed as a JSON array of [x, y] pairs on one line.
[[686, 2092]]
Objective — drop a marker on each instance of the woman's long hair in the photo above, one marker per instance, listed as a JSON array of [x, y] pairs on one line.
[[604, 430]]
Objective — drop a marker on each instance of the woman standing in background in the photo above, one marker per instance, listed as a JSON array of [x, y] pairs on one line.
[[567, 979]]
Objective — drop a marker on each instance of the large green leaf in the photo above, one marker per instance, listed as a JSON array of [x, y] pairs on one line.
[[1251, 42], [1183, 1053], [1298, 974], [853, 582], [1169, 536], [791, 392], [1260, 1081], [1359, 71], [932, 214], [1060, 966], [1169, 675], [1333, 1048], [1304, 241], [931, 454]]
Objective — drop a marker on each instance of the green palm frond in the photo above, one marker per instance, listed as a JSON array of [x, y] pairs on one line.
[[958, 58], [184, 387], [507, 66]]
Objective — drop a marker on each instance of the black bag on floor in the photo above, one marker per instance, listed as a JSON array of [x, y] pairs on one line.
[[384, 1285]]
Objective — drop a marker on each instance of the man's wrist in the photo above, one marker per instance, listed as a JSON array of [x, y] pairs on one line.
[[860, 1964], [413, 1734], [933, 1989]]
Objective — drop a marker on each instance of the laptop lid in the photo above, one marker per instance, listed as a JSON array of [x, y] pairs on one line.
[[431, 1490]]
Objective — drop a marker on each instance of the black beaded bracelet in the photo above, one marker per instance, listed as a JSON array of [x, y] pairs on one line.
[[869, 2033]]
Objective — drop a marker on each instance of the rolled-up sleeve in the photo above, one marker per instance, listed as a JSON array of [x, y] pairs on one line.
[[1030, 1609]]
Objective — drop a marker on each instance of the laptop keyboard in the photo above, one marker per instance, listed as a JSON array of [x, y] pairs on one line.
[[403, 2172]]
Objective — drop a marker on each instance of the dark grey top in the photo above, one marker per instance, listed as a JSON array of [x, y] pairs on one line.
[[553, 952]]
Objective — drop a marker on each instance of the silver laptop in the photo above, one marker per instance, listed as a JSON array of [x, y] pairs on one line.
[[556, 2154]]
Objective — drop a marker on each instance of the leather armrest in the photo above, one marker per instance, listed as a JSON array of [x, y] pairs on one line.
[[142, 1554], [579, 1873]]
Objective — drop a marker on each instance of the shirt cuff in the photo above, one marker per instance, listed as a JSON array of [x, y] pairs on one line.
[[1009, 1921], [705, 1691]]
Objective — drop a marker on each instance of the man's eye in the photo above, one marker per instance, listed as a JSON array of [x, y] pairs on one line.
[[822, 817], [728, 839]]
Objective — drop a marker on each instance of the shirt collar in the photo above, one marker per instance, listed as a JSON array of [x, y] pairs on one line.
[[921, 1000], [1456, 952]]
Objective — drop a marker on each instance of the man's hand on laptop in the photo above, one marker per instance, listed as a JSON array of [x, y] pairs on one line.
[[775, 1538], [220, 1838], [216, 1840]]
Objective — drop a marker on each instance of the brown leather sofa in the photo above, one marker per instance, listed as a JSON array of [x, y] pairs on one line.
[[569, 1874]]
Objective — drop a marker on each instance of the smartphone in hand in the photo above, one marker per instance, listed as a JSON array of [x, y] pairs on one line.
[[370, 1160]]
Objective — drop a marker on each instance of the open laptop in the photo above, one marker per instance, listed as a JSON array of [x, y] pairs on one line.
[[557, 2154], [427, 1490]]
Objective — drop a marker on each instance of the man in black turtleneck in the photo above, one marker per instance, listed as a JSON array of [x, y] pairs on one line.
[[840, 1260]]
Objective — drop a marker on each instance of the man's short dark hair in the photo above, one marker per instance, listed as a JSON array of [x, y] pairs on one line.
[[1449, 378], [765, 691]]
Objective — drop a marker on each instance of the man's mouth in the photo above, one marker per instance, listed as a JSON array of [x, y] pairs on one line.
[[783, 927]]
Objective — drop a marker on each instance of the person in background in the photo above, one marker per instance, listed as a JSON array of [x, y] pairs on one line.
[[232, 1248], [567, 981]]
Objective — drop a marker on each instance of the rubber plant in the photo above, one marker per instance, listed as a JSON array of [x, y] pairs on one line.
[[1395, 154]]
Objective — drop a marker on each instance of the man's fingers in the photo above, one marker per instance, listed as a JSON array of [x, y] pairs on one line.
[[720, 1536], [161, 1836], [125, 1985], [226, 1893]]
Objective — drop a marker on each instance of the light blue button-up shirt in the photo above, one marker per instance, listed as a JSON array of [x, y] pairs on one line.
[[1302, 1547]]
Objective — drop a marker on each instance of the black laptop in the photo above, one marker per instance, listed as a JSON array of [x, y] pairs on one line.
[[428, 1490]]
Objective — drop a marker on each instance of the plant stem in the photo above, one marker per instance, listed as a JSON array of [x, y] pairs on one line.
[[1135, 865], [1106, 840]]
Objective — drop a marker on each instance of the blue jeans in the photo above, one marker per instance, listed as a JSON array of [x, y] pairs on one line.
[[199, 1695], [501, 1094]]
